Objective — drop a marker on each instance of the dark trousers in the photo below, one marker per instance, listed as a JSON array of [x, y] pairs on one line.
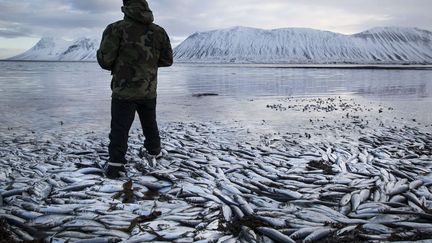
[[122, 117]]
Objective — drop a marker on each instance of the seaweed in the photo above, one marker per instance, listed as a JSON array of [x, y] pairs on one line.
[[204, 94], [235, 227], [5, 233], [410, 236], [127, 192], [143, 219], [353, 237], [321, 165]]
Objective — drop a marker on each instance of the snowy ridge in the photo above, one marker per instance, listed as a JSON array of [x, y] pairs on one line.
[[386, 45], [83, 49], [54, 49]]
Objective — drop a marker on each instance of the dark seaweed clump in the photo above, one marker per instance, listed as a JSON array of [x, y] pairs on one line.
[[5, 234], [354, 237], [410, 236], [321, 165]]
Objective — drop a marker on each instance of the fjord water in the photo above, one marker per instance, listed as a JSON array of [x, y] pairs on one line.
[[41, 96]]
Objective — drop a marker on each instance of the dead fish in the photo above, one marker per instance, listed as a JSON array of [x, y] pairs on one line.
[[49, 221], [377, 228], [24, 214], [302, 233], [345, 199], [318, 234], [227, 213], [355, 201], [14, 192], [275, 235], [80, 186], [74, 235], [243, 205], [346, 230], [398, 190], [41, 190], [90, 170], [81, 223], [224, 198], [100, 240]]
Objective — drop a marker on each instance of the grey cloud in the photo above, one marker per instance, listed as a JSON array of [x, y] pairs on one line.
[[10, 33], [61, 17], [95, 6], [335, 15], [12, 30], [182, 18]]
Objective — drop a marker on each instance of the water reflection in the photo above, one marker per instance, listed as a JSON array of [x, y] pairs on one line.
[[242, 81], [407, 91], [40, 95]]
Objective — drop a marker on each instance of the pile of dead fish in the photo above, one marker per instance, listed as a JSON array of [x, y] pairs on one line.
[[212, 187], [323, 105]]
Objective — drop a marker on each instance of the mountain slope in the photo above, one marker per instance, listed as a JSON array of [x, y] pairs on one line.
[[83, 49], [47, 49], [295, 45], [54, 49]]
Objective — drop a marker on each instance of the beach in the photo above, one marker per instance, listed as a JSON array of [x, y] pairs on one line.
[[357, 178], [250, 155]]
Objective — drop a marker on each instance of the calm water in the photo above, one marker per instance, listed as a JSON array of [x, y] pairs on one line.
[[41, 96]]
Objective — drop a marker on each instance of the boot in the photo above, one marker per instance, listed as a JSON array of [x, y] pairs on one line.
[[112, 170]]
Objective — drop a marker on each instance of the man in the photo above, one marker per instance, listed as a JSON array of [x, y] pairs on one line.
[[133, 49]]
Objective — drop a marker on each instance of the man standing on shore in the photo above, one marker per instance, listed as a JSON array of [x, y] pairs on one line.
[[133, 49]]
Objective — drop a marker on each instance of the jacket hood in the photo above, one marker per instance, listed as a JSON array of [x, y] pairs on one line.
[[138, 10]]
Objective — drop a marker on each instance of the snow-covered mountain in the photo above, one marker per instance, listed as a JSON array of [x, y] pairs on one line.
[[389, 45], [55, 49], [386, 45]]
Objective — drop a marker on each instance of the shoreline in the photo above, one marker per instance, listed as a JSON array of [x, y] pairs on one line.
[[377, 66], [317, 66], [276, 114]]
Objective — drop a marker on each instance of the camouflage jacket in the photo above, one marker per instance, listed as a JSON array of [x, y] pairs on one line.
[[133, 49]]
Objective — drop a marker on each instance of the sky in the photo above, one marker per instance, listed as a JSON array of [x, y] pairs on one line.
[[24, 22]]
